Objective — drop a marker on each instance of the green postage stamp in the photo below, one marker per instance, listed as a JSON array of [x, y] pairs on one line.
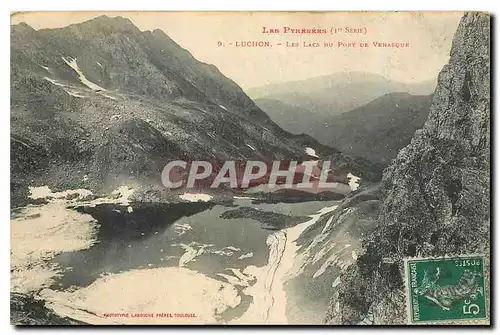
[[446, 289]]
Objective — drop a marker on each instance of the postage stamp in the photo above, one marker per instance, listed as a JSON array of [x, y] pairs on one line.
[[446, 289]]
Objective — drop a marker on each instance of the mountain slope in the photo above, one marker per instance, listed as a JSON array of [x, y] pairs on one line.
[[375, 131], [291, 118], [101, 104], [436, 193], [379, 129]]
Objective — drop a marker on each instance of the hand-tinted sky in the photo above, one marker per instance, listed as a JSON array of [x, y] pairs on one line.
[[429, 34]]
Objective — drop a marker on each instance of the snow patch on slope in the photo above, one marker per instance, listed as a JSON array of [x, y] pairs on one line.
[[247, 255], [353, 181], [74, 94], [108, 96], [71, 62], [55, 82], [311, 152], [248, 145], [195, 197], [81, 196], [44, 192], [181, 228]]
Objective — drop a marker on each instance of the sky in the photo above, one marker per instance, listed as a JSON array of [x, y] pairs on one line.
[[429, 35]]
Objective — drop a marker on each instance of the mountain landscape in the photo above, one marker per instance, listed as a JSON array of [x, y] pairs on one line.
[[375, 124], [102, 104], [323, 98], [337, 93], [288, 116], [379, 129], [97, 110]]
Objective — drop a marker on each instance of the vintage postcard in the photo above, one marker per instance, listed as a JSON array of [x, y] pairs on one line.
[[250, 168]]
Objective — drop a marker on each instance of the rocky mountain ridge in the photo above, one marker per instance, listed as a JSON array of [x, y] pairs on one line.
[[101, 104]]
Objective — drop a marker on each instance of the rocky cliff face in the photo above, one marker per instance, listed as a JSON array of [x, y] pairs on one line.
[[436, 194]]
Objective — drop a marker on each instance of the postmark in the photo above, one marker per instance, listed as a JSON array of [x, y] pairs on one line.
[[446, 289]]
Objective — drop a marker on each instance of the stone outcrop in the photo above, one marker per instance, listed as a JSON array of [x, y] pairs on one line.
[[436, 193]]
